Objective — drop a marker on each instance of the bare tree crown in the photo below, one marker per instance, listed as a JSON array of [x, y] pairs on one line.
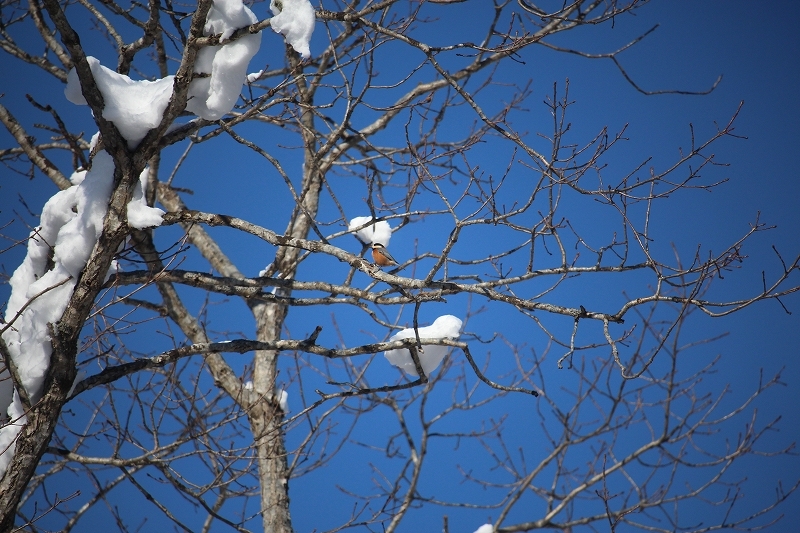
[[356, 238]]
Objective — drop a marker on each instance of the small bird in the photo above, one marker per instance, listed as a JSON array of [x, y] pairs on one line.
[[381, 255]]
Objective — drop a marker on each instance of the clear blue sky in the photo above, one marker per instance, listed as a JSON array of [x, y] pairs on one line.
[[757, 51]]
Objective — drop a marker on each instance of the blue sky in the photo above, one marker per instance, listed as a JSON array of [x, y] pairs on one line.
[[757, 55]]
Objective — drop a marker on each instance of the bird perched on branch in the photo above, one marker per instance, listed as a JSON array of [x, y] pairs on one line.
[[381, 255]]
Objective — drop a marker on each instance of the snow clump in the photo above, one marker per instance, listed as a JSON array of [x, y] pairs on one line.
[[380, 232], [41, 287], [135, 107], [294, 19], [214, 96], [447, 326]]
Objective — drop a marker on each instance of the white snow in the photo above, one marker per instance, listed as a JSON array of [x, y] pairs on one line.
[[485, 528], [214, 96], [141, 215], [71, 223], [294, 19], [447, 326], [254, 76], [380, 232], [135, 107], [283, 400]]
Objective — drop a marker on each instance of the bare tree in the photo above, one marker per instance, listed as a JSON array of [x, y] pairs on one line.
[[183, 402]]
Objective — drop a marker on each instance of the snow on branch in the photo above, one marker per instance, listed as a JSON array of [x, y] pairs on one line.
[[225, 66], [294, 19], [447, 326], [380, 232], [41, 287], [136, 107]]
